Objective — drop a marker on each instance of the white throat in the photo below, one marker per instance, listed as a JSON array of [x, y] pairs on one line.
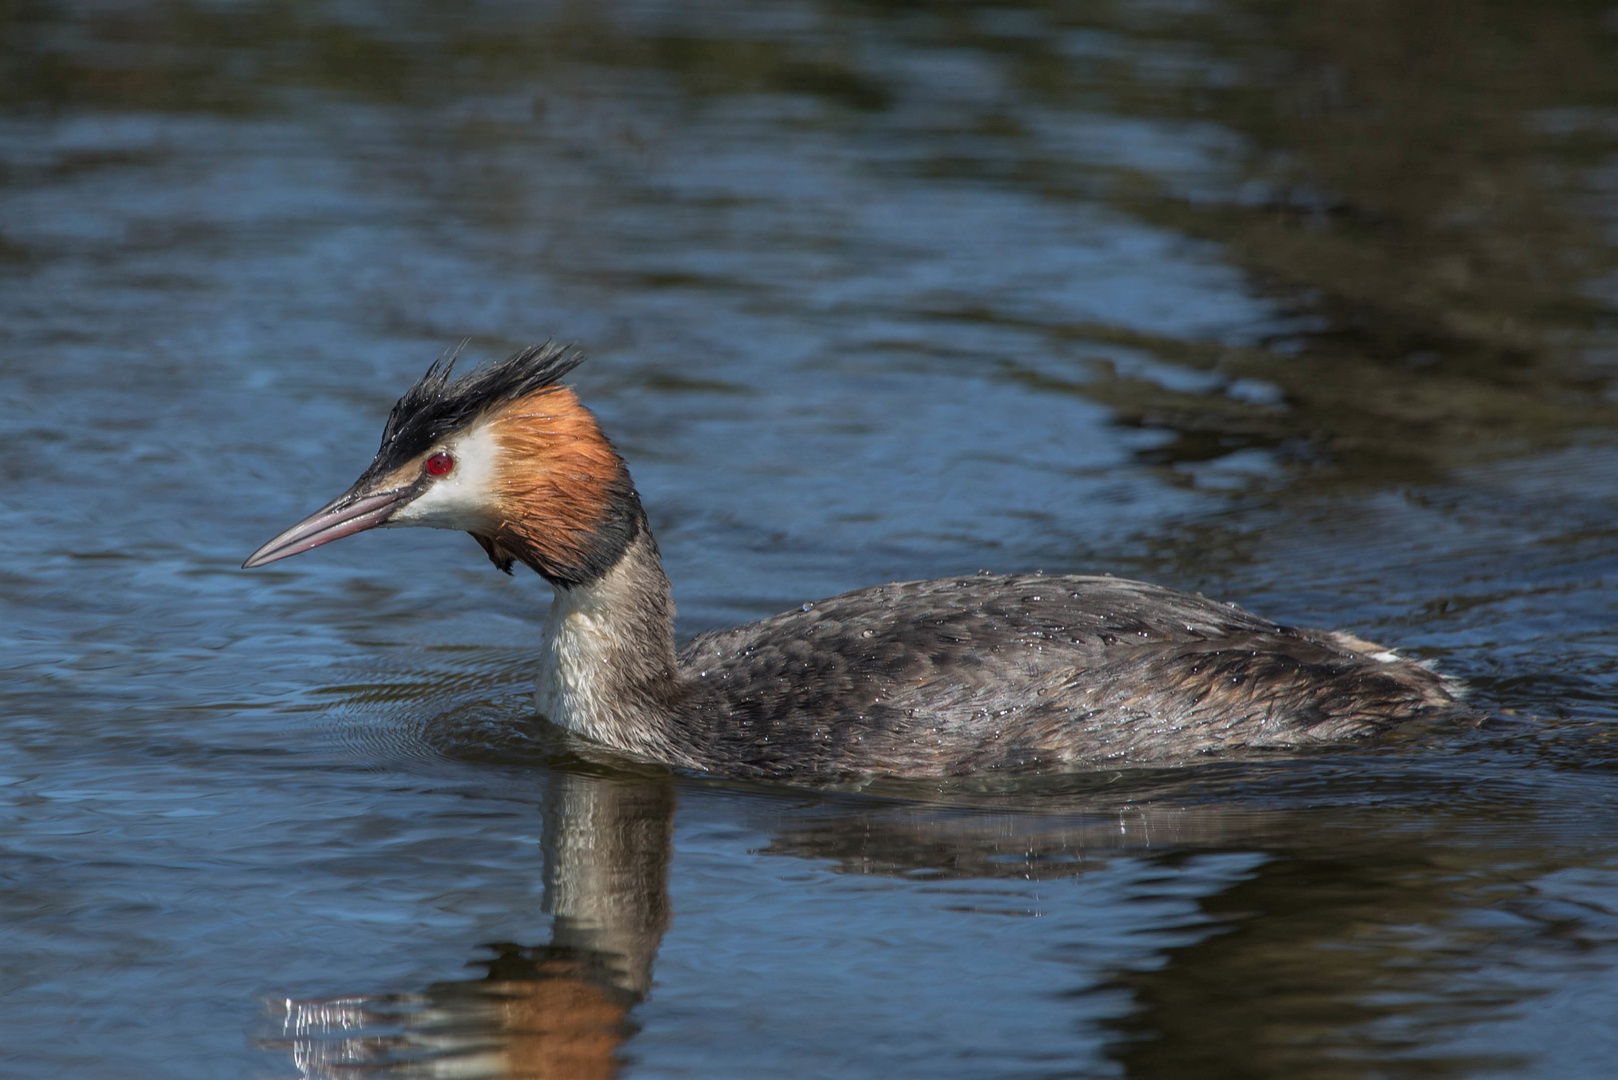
[[607, 649], [580, 638]]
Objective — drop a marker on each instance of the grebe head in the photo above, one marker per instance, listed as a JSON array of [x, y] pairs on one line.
[[503, 453]]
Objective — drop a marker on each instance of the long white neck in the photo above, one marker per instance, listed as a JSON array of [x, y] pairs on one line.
[[607, 669]]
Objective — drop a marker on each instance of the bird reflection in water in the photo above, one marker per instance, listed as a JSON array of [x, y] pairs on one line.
[[1286, 978], [552, 1011]]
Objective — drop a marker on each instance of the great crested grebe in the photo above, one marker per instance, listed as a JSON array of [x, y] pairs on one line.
[[919, 678]]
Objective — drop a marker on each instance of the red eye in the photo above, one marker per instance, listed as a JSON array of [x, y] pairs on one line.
[[440, 464]]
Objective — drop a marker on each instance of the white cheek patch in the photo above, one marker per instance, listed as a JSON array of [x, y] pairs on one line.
[[465, 498]]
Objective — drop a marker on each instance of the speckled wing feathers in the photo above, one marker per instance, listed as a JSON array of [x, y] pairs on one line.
[[967, 674]]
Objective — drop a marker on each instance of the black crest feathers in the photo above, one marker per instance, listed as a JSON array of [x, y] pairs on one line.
[[435, 406]]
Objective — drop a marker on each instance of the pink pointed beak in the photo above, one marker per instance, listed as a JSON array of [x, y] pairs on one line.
[[346, 515]]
